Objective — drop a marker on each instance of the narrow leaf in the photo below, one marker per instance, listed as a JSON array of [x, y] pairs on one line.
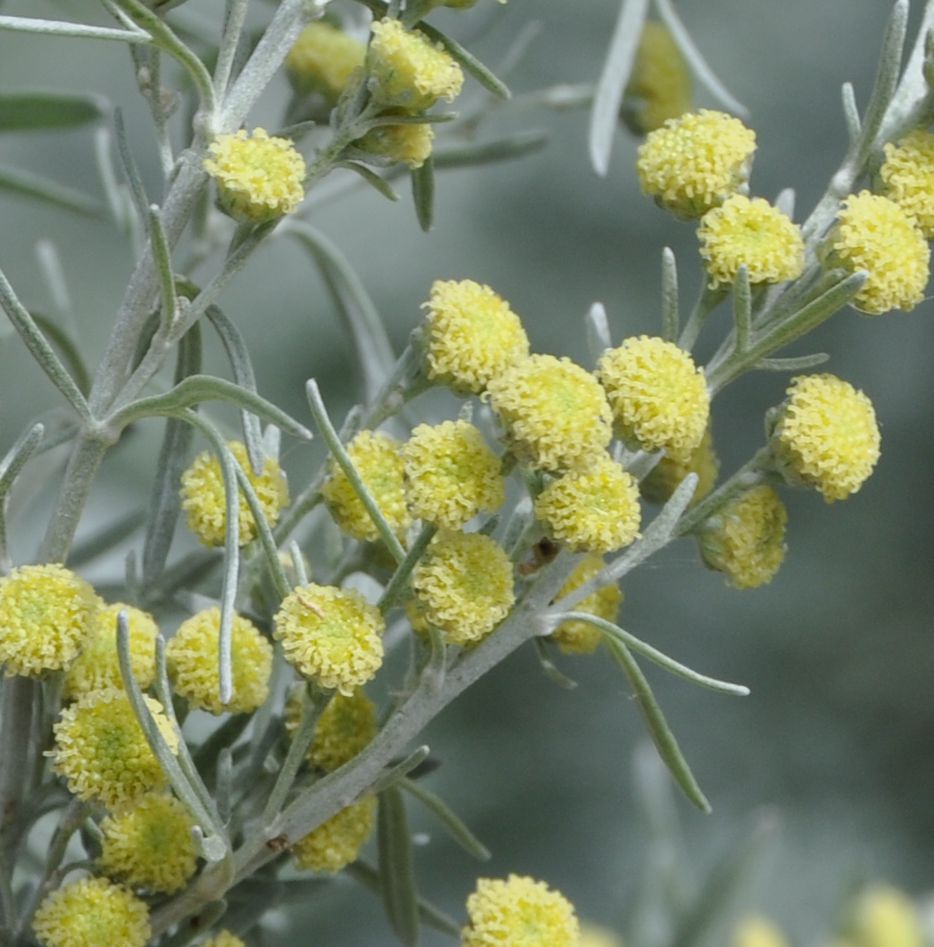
[[128, 165], [455, 827], [162, 257], [851, 112], [423, 193], [396, 872], [742, 308], [551, 670], [798, 363], [105, 539], [27, 184], [371, 177], [489, 152], [27, 111], [391, 776], [598, 331], [671, 315], [16, 457], [68, 349], [468, 61], [22, 24]]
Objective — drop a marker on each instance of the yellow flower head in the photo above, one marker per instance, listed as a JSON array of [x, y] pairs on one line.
[[259, 177], [658, 395], [46, 615], [378, 460], [745, 539], [579, 637], [331, 636], [752, 233], [660, 81], [464, 585], [411, 71], [593, 936], [665, 476], [98, 665], [203, 496], [408, 144], [193, 663], [346, 726], [223, 939], [101, 751], [323, 59], [826, 436], [451, 474], [594, 509], [337, 842], [693, 163], [473, 336], [884, 917], [148, 844], [875, 234], [519, 911], [92, 912], [908, 177], [755, 931], [555, 413]]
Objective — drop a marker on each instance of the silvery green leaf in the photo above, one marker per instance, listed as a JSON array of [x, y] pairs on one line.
[[671, 315], [468, 61], [598, 331], [423, 193], [26, 184], [396, 872], [455, 827], [371, 177], [798, 363], [26, 111], [489, 152]]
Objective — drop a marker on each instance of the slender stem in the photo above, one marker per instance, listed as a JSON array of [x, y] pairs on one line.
[[22, 24], [16, 708], [400, 577], [233, 28]]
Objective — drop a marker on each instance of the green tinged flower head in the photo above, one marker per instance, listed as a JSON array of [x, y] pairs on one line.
[[756, 931], [101, 750], [336, 843], [346, 726], [92, 912], [408, 143], [192, 658], [876, 235], [472, 335], [754, 234], [554, 412], [259, 177], [518, 911], [323, 59], [148, 843], [330, 636], [695, 162], [826, 436], [660, 83], [658, 395], [203, 497], [667, 474], [46, 616], [463, 585], [907, 176], [223, 939], [98, 665], [378, 461], [410, 71], [451, 474], [580, 637], [593, 509], [885, 917], [745, 539]]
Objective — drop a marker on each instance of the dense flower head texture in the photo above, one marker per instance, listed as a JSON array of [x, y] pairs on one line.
[[90, 913], [883, 916], [751, 233], [757, 931], [826, 436], [592, 509], [473, 335], [664, 478], [519, 911], [346, 726], [907, 176], [875, 235], [658, 395], [660, 82], [331, 636], [46, 615], [336, 843], [554, 412], [695, 162], [324, 58], [581, 637], [192, 660], [408, 143]]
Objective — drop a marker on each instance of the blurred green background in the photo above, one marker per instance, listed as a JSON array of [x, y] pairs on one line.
[[838, 735]]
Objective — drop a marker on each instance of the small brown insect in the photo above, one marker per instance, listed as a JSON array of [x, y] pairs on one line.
[[278, 844], [543, 552]]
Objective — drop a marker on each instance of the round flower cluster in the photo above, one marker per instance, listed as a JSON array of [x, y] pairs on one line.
[[323, 59], [663, 479], [191, 656], [346, 727], [826, 436], [755, 931], [660, 82], [693, 163], [884, 917], [336, 843], [472, 335], [203, 497], [907, 176], [580, 637], [407, 143]]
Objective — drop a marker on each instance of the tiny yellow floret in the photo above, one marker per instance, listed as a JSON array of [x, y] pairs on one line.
[[876, 235], [754, 234], [409, 144], [331, 636], [826, 436], [46, 617], [472, 335], [885, 917], [907, 176], [464, 585], [580, 637], [98, 665], [223, 939], [745, 539], [92, 912], [377, 458], [411, 71], [519, 911], [695, 162], [148, 843], [667, 474], [346, 726], [192, 657], [593, 509], [555, 413], [203, 497], [324, 59], [259, 177], [451, 474], [660, 82], [658, 395], [336, 843], [101, 751], [756, 931]]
